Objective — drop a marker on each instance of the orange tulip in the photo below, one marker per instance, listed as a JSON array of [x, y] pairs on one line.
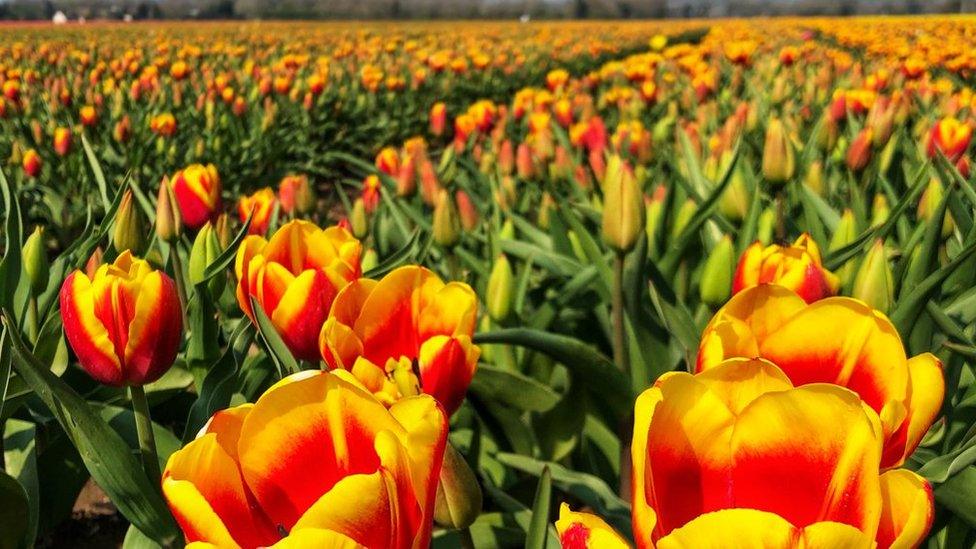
[[837, 340], [294, 277], [197, 190], [262, 202], [295, 194], [712, 453], [438, 118], [371, 192], [406, 333], [124, 323], [316, 462], [388, 161], [31, 163], [163, 124], [950, 136], [62, 141], [797, 267]]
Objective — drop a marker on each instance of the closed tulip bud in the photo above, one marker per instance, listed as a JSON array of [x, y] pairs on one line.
[[859, 152], [447, 222], [814, 178], [501, 285], [36, 264], [875, 283], [734, 203], [623, 206], [778, 163], [765, 226], [62, 141], [406, 180], [654, 206], [358, 220], [125, 323], [928, 204], [369, 261], [716, 282], [524, 165], [467, 211], [129, 231], [879, 210], [506, 158], [196, 190], [458, 501], [844, 234], [438, 118], [206, 248], [169, 225], [545, 211], [682, 217], [31, 163], [94, 262]]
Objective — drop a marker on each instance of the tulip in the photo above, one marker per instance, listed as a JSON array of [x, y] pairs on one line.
[[36, 264], [315, 462], [295, 194], [950, 136], [928, 205], [778, 163], [371, 193], [169, 223], [438, 118], [837, 340], [874, 283], [125, 323], [294, 277], [62, 141], [844, 234], [713, 452], [859, 151], [716, 281], [797, 267], [358, 222], [197, 192], [623, 206], [467, 212], [163, 124], [259, 207], [585, 531], [405, 333], [388, 161], [206, 248], [814, 178], [501, 285], [31, 163], [447, 222], [129, 230]]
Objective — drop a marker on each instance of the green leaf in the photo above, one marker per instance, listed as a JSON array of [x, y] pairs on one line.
[[536, 538], [956, 495], [513, 389], [135, 539], [589, 367], [20, 456], [397, 259], [107, 457], [908, 308], [14, 513], [10, 266], [274, 345], [96, 169], [225, 258]]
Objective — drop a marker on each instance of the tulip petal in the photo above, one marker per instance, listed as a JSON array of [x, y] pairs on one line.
[[924, 405], [156, 329], [250, 249], [302, 438], [318, 538], [447, 365], [301, 312], [584, 531], [822, 442], [388, 323], [907, 509], [643, 516], [451, 311], [85, 332], [753, 529], [368, 522], [747, 271]]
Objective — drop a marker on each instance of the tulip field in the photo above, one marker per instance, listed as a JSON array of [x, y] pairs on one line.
[[675, 284]]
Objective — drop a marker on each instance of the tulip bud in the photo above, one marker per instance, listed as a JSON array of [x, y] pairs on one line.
[[357, 219], [765, 226], [814, 178], [734, 203], [844, 234], [778, 163], [874, 283], [466, 210], [206, 248], [129, 232], [623, 208], [545, 211], [169, 225], [94, 261], [31, 163], [36, 264], [447, 223], [458, 501], [879, 210], [683, 217], [928, 204], [859, 152], [501, 285], [369, 260], [716, 281]]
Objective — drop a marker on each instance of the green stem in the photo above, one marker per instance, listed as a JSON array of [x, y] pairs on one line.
[[147, 441], [453, 266], [467, 542], [780, 217], [33, 322], [619, 350], [174, 255]]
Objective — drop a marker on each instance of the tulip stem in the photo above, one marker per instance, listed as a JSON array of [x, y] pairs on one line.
[[619, 350], [33, 322], [780, 217], [147, 441], [174, 255], [467, 542]]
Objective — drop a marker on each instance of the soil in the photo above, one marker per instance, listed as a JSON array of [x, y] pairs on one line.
[[95, 524]]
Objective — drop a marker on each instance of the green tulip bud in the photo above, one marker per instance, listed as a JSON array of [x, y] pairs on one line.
[[716, 281], [369, 261], [765, 226], [778, 162], [206, 248], [36, 264], [501, 286], [447, 223], [683, 217], [458, 501], [169, 224], [875, 283], [623, 207], [358, 220], [129, 231], [844, 234]]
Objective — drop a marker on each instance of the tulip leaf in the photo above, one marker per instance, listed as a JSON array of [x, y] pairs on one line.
[[283, 360], [20, 456], [555, 263], [939, 469], [135, 539], [589, 367], [225, 258], [910, 306], [491, 383], [956, 494], [397, 259], [14, 514], [105, 454], [96, 169], [11, 265], [537, 533], [928, 254], [591, 490]]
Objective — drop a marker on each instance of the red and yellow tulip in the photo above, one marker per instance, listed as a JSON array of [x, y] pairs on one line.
[[294, 277], [797, 267], [124, 323], [197, 191], [837, 340], [316, 462], [406, 333], [951, 136], [31, 163], [262, 203]]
